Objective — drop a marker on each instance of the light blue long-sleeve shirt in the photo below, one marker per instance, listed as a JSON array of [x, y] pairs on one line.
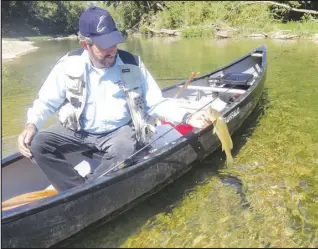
[[106, 106]]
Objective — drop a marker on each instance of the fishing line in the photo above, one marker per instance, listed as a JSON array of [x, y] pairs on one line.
[[172, 79], [112, 168]]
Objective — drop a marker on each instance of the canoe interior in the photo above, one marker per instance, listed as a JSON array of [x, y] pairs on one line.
[[21, 176]]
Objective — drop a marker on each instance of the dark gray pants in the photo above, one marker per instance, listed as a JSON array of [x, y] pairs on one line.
[[50, 145]]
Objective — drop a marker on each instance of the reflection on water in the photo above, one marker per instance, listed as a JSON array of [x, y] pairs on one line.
[[267, 199]]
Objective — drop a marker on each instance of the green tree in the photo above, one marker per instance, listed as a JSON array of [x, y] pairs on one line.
[[46, 17]]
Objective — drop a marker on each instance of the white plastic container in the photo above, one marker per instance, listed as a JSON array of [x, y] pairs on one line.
[[167, 138]]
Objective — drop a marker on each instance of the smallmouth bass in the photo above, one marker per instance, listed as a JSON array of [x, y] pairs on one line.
[[222, 131]]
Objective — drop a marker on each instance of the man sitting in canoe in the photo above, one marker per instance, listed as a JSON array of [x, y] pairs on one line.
[[104, 96]]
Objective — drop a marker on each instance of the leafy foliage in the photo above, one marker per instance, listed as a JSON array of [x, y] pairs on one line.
[[61, 17], [40, 17], [178, 14], [130, 14], [285, 15]]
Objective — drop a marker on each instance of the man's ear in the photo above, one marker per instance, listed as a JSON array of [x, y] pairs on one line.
[[84, 44]]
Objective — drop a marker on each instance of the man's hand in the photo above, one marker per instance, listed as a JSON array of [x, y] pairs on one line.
[[25, 139], [199, 119]]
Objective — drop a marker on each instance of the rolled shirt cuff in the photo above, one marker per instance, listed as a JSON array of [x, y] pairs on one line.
[[37, 123]]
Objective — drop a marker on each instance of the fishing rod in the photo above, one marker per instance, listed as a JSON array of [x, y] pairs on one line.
[[171, 79], [114, 167]]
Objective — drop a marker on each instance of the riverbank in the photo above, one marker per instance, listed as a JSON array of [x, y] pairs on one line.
[[284, 32], [226, 34], [12, 48]]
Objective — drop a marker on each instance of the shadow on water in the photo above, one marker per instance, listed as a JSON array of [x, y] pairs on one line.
[[239, 139], [115, 232]]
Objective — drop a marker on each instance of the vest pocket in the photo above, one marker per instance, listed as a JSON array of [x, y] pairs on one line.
[[67, 116], [74, 85]]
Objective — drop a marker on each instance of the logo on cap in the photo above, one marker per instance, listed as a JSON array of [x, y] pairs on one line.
[[101, 20]]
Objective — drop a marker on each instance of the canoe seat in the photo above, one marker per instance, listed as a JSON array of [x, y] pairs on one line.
[[229, 79]]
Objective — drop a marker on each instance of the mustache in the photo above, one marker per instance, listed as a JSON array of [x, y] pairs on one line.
[[110, 56]]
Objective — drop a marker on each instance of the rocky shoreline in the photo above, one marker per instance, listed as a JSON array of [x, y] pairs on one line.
[[228, 32]]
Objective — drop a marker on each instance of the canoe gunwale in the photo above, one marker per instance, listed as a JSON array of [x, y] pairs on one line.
[[261, 49], [11, 159], [95, 185]]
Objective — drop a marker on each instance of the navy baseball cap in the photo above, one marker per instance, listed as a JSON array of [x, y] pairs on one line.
[[97, 24]]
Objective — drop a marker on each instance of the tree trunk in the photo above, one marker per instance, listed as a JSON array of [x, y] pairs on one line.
[[314, 12], [164, 31]]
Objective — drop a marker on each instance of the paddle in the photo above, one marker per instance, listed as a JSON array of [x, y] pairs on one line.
[[186, 84], [27, 198]]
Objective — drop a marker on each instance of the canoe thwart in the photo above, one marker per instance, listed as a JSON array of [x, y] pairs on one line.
[[216, 89]]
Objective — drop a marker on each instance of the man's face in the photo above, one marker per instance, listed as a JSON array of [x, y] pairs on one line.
[[101, 57]]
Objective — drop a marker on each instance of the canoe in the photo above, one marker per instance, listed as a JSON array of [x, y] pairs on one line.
[[234, 90]]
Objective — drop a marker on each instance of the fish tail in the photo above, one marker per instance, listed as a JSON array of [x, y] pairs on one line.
[[229, 158]]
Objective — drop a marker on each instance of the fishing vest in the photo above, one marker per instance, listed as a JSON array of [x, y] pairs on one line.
[[76, 93]]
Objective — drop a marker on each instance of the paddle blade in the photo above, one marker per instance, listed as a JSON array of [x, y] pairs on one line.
[[26, 198]]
